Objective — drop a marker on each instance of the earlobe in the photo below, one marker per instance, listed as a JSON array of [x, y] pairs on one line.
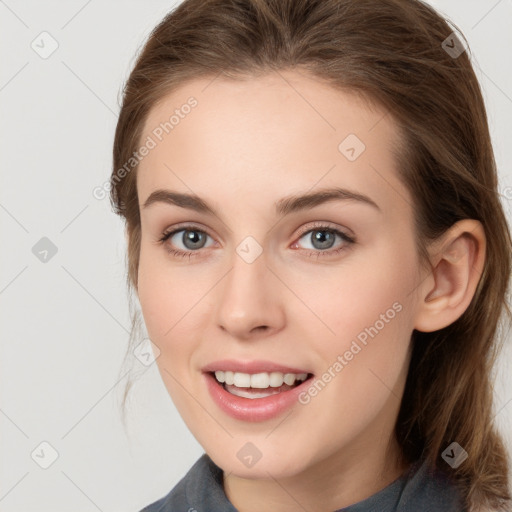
[[457, 264]]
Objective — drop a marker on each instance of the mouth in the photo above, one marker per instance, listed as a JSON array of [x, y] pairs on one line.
[[258, 385], [255, 390]]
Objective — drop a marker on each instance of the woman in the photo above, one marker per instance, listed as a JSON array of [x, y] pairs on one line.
[[320, 254]]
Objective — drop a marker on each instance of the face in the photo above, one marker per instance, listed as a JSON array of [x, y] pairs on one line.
[[254, 281]]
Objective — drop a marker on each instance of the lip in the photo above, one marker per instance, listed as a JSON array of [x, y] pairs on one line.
[[254, 409], [254, 366]]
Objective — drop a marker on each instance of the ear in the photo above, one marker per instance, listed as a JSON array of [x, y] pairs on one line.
[[457, 260]]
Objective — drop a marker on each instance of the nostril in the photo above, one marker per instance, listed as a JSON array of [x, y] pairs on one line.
[[261, 327]]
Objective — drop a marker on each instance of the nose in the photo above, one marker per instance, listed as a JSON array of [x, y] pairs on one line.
[[250, 300]]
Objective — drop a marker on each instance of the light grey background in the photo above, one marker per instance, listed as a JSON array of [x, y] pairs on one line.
[[64, 323]]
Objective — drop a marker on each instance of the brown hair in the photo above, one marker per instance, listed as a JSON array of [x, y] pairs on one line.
[[391, 52]]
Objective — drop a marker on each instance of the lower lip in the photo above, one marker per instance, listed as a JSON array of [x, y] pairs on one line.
[[253, 409]]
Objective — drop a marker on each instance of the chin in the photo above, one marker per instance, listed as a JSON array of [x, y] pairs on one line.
[[273, 465]]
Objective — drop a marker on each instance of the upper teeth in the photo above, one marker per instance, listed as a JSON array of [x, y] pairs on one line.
[[259, 380]]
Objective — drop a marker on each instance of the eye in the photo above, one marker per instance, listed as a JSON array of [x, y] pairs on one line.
[[322, 239], [185, 241]]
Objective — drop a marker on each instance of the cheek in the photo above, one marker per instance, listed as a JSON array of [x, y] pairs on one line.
[[366, 322], [160, 304], [347, 299], [167, 294], [173, 301], [364, 360]]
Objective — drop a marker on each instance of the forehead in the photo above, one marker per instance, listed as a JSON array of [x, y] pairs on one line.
[[281, 131]]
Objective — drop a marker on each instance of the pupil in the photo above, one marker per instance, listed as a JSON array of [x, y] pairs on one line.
[[193, 239], [324, 239]]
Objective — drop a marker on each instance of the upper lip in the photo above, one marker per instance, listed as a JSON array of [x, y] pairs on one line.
[[254, 366]]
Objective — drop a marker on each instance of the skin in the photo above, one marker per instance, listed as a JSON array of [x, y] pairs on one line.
[[246, 145]]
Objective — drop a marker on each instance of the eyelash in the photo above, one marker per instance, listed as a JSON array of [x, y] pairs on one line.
[[317, 227]]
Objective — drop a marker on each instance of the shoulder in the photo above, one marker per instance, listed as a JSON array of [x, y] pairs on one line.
[[200, 489], [430, 489]]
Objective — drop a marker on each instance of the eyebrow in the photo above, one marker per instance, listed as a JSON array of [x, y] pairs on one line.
[[283, 207]]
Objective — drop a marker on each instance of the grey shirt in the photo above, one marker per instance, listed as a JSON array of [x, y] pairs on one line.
[[417, 490]]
